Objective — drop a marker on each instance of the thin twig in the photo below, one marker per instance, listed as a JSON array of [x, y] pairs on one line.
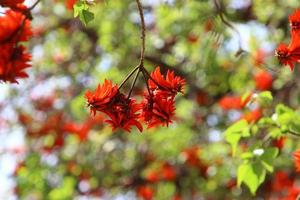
[[227, 23], [143, 32], [133, 83], [140, 66], [128, 76], [35, 4], [146, 81]]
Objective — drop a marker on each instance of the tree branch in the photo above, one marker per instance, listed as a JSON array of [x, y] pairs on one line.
[[143, 32]]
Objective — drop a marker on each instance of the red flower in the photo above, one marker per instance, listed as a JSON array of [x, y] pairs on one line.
[[120, 109], [192, 155], [281, 181], [288, 55], [230, 102], [122, 113], [13, 61], [176, 197], [285, 56], [168, 172], [234, 102], [14, 27], [145, 192], [263, 80], [158, 106], [82, 129], [297, 160], [102, 96], [152, 176], [170, 83], [157, 110], [279, 143], [253, 116], [294, 20], [13, 4], [70, 3]]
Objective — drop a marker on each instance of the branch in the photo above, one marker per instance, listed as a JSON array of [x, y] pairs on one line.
[[143, 32], [220, 11], [35, 4]]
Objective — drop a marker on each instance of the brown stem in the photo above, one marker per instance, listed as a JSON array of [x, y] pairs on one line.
[[33, 6], [146, 81], [143, 32], [134, 81], [220, 11], [128, 76], [140, 66], [293, 133]]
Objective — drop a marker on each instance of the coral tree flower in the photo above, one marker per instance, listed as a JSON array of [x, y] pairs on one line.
[[158, 107], [288, 55], [121, 110], [170, 83], [294, 20], [14, 28], [13, 4], [102, 96]]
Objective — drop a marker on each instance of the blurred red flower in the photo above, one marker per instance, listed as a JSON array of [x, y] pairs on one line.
[[297, 160], [168, 172], [253, 115], [70, 3], [279, 142], [234, 102], [152, 176], [263, 80], [145, 192]]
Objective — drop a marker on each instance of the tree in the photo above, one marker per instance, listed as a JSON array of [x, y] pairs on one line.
[[151, 99]]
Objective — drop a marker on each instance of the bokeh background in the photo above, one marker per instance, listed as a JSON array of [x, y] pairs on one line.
[[51, 148]]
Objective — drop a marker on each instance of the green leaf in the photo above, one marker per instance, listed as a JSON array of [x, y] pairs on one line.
[[78, 7], [86, 16], [81, 11], [266, 121], [280, 109], [268, 157], [252, 175], [242, 173], [247, 155], [265, 98], [234, 133]]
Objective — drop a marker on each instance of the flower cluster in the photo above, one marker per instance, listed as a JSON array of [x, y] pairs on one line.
[[14, 29], [156, 108], [290, 54]]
